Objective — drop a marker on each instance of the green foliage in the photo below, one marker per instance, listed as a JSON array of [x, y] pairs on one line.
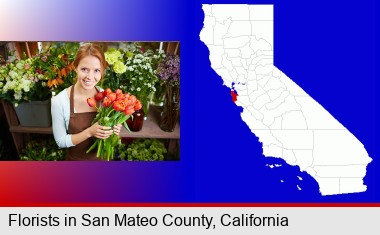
[[143, 150], [35, 78], [43, 150], [56, 65], [2, 60], [133, 70], [17, 80], [121, 151]]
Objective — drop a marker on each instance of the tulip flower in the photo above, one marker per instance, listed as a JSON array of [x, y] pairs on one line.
[[107, 103], [118, 91], [116, 109], [138, 105], [111, 96], [91, 102], [107, 91], [99, 96], [129, 110]]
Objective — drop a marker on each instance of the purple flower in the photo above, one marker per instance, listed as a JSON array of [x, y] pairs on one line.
[[169, 68]]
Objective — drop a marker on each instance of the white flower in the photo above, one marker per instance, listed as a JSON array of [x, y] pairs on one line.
[[136, 61], [18, 95], [12, 74], [25, 85], [139, 56], [11, 85], [19, 65], [138, 89]]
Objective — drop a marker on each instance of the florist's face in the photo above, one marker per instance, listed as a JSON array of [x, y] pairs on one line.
[[89, 72]]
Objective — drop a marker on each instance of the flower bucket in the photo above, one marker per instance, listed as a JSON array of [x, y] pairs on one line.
[[34, 113], [136, 123], [170, 114]]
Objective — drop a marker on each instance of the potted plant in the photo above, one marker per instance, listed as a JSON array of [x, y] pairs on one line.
[[168, 71], [28, 83], [142, 150], [133, 70], [43, 150]]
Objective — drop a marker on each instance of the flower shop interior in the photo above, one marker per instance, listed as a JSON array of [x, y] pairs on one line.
[[31, 73]]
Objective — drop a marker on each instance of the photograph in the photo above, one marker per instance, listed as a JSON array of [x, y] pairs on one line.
[[90, 101]]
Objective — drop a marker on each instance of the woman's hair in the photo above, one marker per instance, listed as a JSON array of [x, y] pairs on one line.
[[93, 50]]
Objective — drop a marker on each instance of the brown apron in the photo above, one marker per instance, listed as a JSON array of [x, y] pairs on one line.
[[79, 122]]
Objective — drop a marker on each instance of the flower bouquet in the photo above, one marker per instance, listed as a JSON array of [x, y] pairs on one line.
[[115, 109], [56, 66], [133, 69], [35, 78], [19, 82]]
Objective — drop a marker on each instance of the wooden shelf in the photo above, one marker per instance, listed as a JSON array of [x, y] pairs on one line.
[[34, 130], [150, 128]]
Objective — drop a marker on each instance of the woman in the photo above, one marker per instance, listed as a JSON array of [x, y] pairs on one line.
[[71, 115]]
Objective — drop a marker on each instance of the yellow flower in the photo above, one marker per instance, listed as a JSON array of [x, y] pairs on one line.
[[112, 56], [119, 67]]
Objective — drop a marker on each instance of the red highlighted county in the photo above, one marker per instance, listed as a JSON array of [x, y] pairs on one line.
[[234, 96]]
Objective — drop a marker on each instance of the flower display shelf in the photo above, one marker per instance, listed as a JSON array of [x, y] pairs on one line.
[[151, 129], [34, 113]]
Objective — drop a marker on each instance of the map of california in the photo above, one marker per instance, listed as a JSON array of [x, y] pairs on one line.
[[288, 122]]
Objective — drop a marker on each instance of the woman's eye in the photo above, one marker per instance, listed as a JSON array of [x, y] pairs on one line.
[[97, 70], [84, 69]]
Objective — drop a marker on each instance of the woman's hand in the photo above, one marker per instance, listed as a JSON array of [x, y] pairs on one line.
[[100, 132], [117, 129]]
